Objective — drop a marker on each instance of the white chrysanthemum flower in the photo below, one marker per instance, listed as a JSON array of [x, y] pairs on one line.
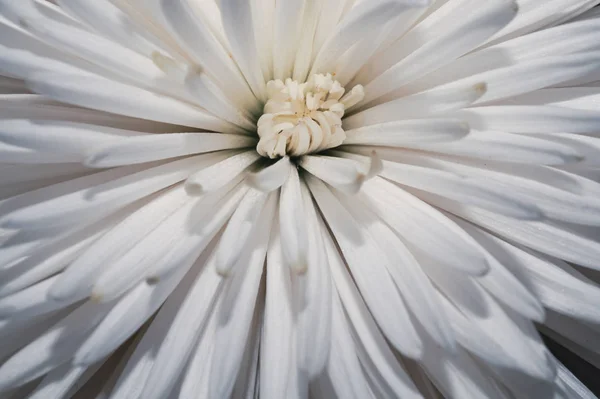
[[298, 198]]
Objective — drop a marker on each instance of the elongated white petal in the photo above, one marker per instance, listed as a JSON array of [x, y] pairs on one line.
[[172, 248], [374, 347], [200, 44], [503, 274], [344, 368], [455, 186], [36, 107], [127, 316], [61, 138], [406, 272], [237, 308], [50, 260], [109, 20], [286, 30], [79, 277], [572, 387], [548, 237], [506, 147], [195, 378], [430, 103], [184, 332], [111, 96], [238, 25], [211, 97], [271, 177], [361, 251], [313, 297], [116, 193], [413, 223], [532, 119], [408, 133], [278, 327], [132, 380], [239, 229], [61, 381], [562, 39], [361, 19], [457, 40], [29, 302], [532, 187], [533, 75], [218, 175], [292, 217], [150, 148], [53, 348], [345, 175], [560, 287]]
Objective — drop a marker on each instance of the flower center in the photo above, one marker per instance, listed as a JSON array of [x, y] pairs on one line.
[[302, 118]]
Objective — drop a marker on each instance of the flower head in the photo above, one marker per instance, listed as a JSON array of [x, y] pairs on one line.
[[298, 198]]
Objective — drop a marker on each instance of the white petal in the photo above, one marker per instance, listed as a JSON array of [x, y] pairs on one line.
[[292, 223], [238, 24], [220, 174], [207, 94], [304, 54], [111, 193], [344, 368], [505, 280], [199, 43], [532, 75], [108, 95], [371, 344], [344, 174], [451, 42], [459, 187], [408, 133], [238, 230], [50, 260], [156, 147], [203, 223], [559, 286], [271, 177], [446, 242], [30, 302], [527, 187], [548, 237], [238, 307], [406, 272], [363, 19], [313, 297], [563, 39], [184, 332], [507, 147], [368, 270], [276, 348], [532, 119], [63, 140], [287, 28], [573, 388], [60, 382], [436, 101], [53, 348], [33, 106], [133, 378], [196, 377], [127, 316], [108, 20], [113, 247]]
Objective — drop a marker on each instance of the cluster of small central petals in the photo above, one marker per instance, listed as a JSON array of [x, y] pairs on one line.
[[303, 118]]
